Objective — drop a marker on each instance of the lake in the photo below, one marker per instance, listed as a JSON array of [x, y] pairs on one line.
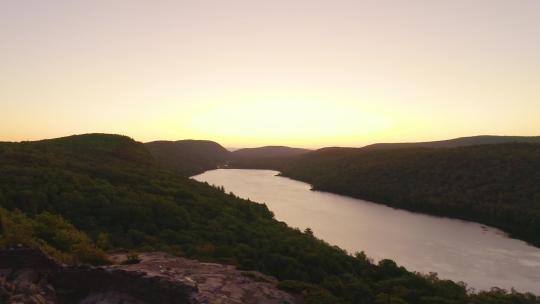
[[478, 255]]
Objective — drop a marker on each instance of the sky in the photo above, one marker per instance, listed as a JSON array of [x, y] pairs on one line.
[[245, 73]]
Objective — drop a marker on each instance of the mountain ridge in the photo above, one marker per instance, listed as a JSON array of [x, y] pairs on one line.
[[494, 184], [458, 142], [268, 151], [188, 157], [75, 202]]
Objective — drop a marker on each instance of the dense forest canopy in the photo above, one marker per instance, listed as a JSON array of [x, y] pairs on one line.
[[267, 151], [188, 157], [80, 196], [497, 184], [459, 142]]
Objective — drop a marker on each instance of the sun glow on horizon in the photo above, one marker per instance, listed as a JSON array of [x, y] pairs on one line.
[[287, 121], [307, 73]]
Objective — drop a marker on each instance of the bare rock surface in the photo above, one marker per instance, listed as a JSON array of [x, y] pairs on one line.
[[215, 283], [29, 276], [24, 277], [26, 286]]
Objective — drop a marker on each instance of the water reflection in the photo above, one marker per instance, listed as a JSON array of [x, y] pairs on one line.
[[462, 251]]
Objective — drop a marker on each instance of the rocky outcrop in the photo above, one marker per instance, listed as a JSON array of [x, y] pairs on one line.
[[29, 276], [24, 277], [214, 283]]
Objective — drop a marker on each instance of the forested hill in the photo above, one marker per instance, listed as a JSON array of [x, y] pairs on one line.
[[268, 151], [459, 142], [79, 196], [497, 184], [189, 157]]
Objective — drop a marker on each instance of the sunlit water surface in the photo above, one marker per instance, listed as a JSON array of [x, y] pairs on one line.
[[462, 251]]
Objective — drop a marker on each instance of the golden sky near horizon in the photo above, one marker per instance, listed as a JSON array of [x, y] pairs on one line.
[[247, 73]]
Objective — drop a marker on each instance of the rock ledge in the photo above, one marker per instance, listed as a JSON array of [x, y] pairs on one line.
[[29, 276]]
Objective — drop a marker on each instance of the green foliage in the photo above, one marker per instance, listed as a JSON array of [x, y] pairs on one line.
[[52, 234], [497, 184], [188, 157], [501, 296], [266, 152], [313, 294], [459, 142], [132, 258], [107, 190]]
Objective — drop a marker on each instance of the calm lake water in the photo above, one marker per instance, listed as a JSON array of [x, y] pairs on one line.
[[462, 251]]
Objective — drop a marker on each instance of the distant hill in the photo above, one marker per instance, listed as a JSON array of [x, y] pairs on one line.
[[97, 149], [459, 142], [268, 151], [495, 184], [188, 157], [264, 157], [79, 196]]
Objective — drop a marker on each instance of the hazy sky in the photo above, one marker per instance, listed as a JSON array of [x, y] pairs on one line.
[[247, 73]]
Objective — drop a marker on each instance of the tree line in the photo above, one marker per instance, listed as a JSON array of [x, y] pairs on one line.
[[79, 197]]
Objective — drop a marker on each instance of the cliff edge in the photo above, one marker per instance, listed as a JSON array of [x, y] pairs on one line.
[[29, 276]]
